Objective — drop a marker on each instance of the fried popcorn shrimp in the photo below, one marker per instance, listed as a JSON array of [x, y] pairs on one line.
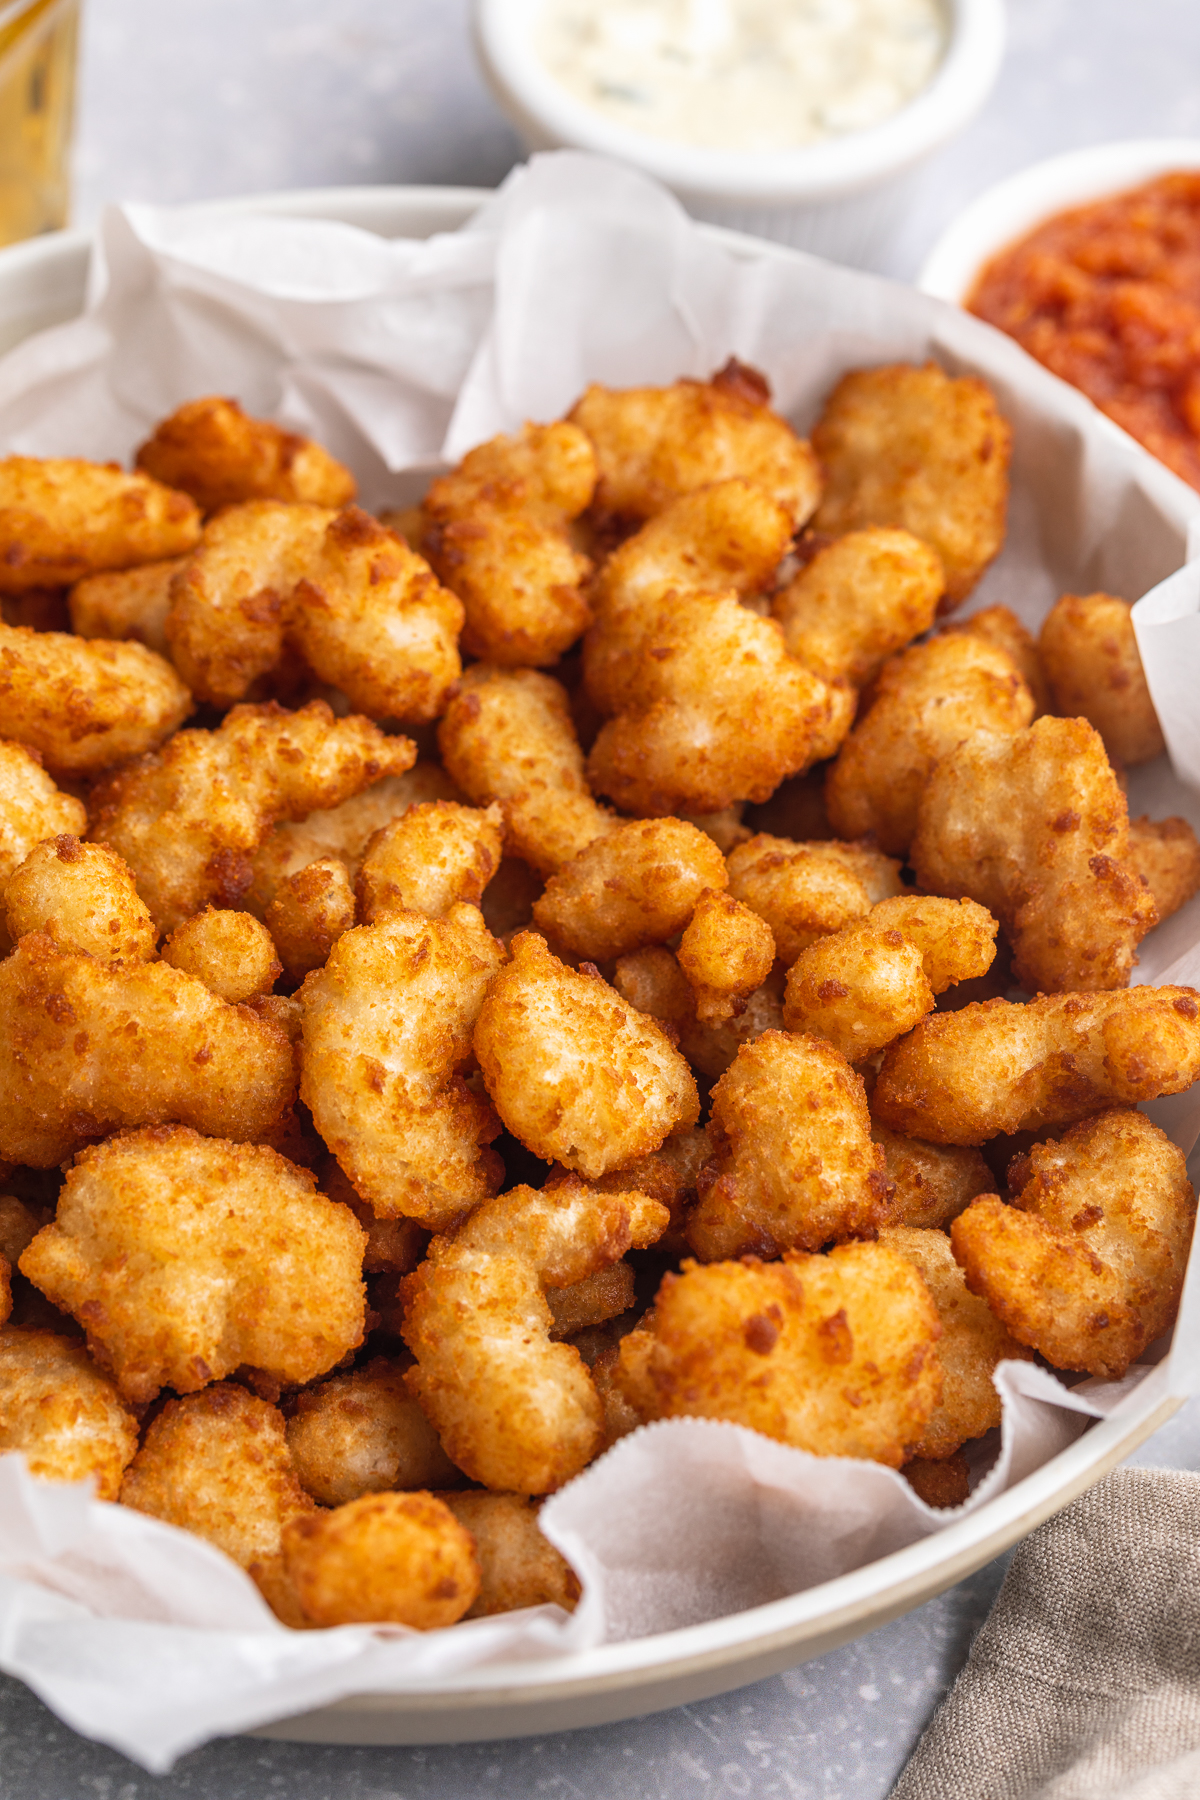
[[363, 1433], [186, 1257], [508, 736], [654, 444], [189, 818], [83, 898], [604, 1295], [997, 1066], [519, 1567], [1091, 657], [834, 1354], [432, 857], [400, 1559], [575, 1072], [999, 625], [931, 1183], [1166, 854], [637, 885], [911, 447], [497, 534], [942, 1483], [230, 952], [31, 807], [211, 450], [1035, 827], [126, 603], [806, 891], [858, 600], [311, 910], [1087, 1265], [653, 982], [512, 1409], [794, 1166], [874, 979], [670, 1176], [927, 700], [387, 1034], [63, 518], [973, 1341], [61, 1412], [726, 952]]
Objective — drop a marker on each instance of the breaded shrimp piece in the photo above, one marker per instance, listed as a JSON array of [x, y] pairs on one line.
[[211, 450], [931, 1183], [61, 1412], [794, 1166], [363, 1433], [834, 1354], [604, 1295], [574, 1071], [670, 1176], [186, 1257], [858, 600], [806, 891], [82, 897], [31, 807], [512, 1409], [126, 603], [1087, 1265], [230, 952], [1091, 658], [635, 886], [973, 1341], [496, 532], [508, 736], [653, 444], [1166, 854], [82, 705], [1000, 625], [63, 518], [432, 857], [913, 448], [927, 700], [726, 952], [1035, 827], [189, 818], [997, 1066], [653, 982], [387, 1034], [874, 979], [518, 1566], [400, 1559], [311, 910]]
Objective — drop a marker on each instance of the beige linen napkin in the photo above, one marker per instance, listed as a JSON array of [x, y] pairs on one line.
[[1084, 1683]]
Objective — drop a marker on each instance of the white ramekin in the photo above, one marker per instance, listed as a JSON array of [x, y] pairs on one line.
[[1005, 213], [837, 199]]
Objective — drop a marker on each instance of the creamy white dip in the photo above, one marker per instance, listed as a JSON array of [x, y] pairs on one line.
[[743, 74]]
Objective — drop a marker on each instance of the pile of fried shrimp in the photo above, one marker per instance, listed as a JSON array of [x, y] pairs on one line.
[[603, 946]]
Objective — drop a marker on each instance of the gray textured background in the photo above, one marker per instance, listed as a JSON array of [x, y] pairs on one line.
[[189, 99]]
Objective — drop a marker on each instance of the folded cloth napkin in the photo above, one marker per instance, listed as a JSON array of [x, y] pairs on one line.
[[1084, 1683]]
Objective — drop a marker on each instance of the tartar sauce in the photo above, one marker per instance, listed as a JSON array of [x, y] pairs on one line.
[[743, 74]]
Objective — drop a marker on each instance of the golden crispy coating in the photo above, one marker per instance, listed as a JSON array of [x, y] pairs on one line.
[[1087, 1266], [806, 891], [913, 448], [669, 1176], [863, 986], [210, 449], [575, 1072], [82, 896], [61, 1412], [835, 1354], [508, 736], [726, 952], [1091, 657], [230, 952], [1000, 625], [601, 1296], [401, 1559], [88, 1047], [363, 1433], [653, 982], [944, 1483], [973, 1341], [126, 603], [63, 518], [497, 533], [931, 1183], [432, 857], [387, 1034], [514, 1410], [653, 444], [518, 1565], [311, 910], [964, 1077], [635, 886], [1166, 854], [1035, 827], [186, 1257], [31, 807], [794, 1166], [927, 700], [188, 819], [859, 600]]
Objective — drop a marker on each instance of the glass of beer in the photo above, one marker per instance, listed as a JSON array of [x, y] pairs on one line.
[[37, 94]]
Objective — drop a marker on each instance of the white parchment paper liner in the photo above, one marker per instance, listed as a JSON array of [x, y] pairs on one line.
[[400, 356]]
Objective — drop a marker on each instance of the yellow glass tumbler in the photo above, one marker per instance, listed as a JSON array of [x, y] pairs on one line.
[[37, 103]]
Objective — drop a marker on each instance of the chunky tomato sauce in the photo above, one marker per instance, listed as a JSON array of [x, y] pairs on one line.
[[1108, 297]]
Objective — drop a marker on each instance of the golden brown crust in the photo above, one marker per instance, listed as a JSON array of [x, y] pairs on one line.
[[1091, 658], [931, 1183], [126, 603], [999, 625], [1166, 854], [211, 450], [311, 910], [60, 1411], [518, 1566], [82, 897], [64, 518], [363, 1433], [858, 601], [636, 885], [400, 1559], [230, 952], [431, 857], [726, 952], [806, 891]]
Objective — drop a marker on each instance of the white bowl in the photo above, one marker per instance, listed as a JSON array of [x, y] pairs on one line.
[[1005, 213], [838, 199]]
